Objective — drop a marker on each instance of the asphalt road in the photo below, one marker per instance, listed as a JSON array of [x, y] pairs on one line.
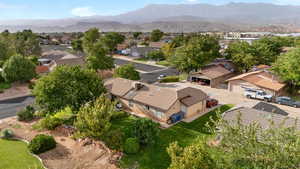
[[9, 108], [138, 66], [153, 76]]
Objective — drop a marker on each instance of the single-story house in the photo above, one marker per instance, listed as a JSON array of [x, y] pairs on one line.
[[141, 51], [158, 45], [157, 102], [213, 75], [122, 46], [264, 119], [262, 79]]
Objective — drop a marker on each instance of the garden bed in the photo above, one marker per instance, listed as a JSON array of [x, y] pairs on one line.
[[15, 155]]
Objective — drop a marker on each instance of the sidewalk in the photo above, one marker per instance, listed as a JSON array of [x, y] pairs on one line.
[[131, 59]]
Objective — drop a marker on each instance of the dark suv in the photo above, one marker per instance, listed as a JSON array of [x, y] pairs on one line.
[[287, 101]]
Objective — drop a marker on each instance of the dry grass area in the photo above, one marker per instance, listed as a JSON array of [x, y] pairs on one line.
[[69, 154], [15, 91]]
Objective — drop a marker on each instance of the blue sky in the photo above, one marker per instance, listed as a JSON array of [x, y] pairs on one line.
[[50, 9]]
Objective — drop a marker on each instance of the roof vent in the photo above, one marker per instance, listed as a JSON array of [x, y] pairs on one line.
[[138, 86]]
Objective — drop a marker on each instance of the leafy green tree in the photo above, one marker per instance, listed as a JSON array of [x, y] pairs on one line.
[[287, 67], [199, 51], [98, 59], [67, 86], [27, 43], [18, 68], [112, 39], [93, 119], [136, 35], [127, 72], [4, 53], [156, 35], [90, 38], [241, 146], [156, 55], [146, 131], [241, 54], [77, 45]]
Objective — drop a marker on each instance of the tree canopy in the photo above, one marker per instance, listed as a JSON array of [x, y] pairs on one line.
[[77, 45], [18, 68], [98, 59], [157, 55], [90, 38], [67, 86], [241, 146], [127, 72], [112, 39], [287, 67], [93, 118], [156, 35], [199, 51], [27, 43]]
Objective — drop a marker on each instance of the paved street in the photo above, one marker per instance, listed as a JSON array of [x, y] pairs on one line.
[[138, 66], [153, 76], [9, 108]]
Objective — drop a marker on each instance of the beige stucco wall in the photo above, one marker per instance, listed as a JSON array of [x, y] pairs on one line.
[[235, 86], [196, 109]]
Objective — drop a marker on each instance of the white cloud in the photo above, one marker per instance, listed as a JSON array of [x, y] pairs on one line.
[[191, 1], [83, 11]]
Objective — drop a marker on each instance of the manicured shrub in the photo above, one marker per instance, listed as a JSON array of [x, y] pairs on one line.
[[26, 114], [41, 143], [7, 134], [50, 122], [114, 139], [132, 146], [146, 131], [170, 79]]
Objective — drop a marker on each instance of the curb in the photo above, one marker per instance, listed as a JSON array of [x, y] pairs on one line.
[[15, 97]]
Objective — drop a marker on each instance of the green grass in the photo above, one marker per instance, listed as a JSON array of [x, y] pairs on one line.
[[143, 59], [183, 76], [155, 156], [4, 85], [164, 63], [15, 155]]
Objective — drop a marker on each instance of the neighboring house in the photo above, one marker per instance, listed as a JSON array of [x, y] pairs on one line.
[[260, 67], [122, 46], [42, 69], [214, 75], [158, 45], [249, 116], [261, 79], [69, 59], [141, 51], [158, 103], [55, 58]]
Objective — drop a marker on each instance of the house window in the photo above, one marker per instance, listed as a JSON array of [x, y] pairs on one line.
[[158, 114], [130, 104], [148, 107]]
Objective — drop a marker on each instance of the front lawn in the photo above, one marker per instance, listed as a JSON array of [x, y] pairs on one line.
[[155, 156], [15, 155], [4, 85]]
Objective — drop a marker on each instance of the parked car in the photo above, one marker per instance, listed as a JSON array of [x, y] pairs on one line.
[[287, 101], [258, 94], [176, 118], [160, 77], [211, 103]]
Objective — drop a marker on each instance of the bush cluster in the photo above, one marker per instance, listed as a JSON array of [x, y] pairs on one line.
[[114, 139], [26, 114], [50, 122], [41, 143], [132, 146], [170, 79], [7, 134]]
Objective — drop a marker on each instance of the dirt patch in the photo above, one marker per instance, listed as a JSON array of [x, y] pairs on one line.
[[69, 153], [16, 90]]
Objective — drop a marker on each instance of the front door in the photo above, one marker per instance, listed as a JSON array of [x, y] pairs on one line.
[[183, 108]]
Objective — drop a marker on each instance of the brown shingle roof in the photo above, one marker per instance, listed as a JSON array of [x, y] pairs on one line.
[[213, 71], [262, 79], [162, 98]]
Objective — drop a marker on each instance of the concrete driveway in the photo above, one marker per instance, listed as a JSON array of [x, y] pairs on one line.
[[139, 66], [226, 97]]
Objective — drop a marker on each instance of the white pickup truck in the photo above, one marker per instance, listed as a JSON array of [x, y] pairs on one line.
[[258, 94]]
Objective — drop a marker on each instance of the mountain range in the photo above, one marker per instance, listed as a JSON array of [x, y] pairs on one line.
[[177, 18]]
